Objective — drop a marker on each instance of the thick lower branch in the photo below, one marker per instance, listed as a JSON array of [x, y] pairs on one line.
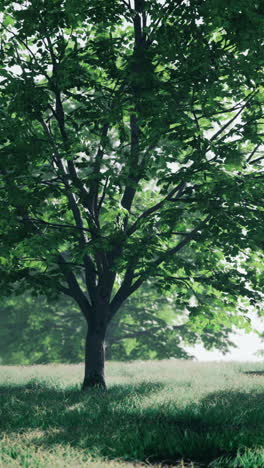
[[167, 254], [74, 289]]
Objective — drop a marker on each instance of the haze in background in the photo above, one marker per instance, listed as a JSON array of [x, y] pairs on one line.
[[248, 344]]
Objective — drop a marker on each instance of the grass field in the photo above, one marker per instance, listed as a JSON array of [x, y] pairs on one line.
[[155, 413]]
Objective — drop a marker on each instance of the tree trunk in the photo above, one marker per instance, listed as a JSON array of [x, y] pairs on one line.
[[94, 358]]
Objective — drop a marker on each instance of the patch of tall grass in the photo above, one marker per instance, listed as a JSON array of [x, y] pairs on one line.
[[174, 413]]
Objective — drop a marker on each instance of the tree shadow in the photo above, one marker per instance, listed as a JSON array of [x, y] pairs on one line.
[[118, 424], [256, 372], [59, 405]]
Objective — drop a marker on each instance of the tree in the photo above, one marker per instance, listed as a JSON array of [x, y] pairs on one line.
[[151, 325], [148, 326], [131, 149], [42, 332]]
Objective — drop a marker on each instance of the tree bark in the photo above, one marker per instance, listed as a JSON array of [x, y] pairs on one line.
[[95, 357]]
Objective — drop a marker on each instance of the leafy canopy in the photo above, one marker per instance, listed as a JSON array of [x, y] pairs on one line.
[[131, 147]]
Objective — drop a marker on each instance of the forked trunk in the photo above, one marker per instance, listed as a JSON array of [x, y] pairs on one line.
[[94, 358]]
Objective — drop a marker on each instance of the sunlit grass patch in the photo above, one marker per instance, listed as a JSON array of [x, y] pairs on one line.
[[246, 458]]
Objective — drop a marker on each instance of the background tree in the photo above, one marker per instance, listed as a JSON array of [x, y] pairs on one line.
[[34, 331], [149, 325], [131, 148]]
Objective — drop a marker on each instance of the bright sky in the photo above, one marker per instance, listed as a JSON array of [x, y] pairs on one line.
[[248, 344]]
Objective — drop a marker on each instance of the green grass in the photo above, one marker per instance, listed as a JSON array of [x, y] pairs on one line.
[[176, 413]]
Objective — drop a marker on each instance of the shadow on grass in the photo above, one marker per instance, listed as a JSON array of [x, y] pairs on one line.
[[120, 423], [256, 372]]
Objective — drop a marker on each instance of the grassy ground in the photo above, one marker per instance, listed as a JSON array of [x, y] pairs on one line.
[[165, 413]]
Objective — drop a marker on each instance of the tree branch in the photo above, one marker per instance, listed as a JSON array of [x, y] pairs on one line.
[[222, 129], [54, 225], [252, 154], [149, 331], [74, 289], [185, 241], [94, 186], [133, 177], [60, 117], [64, 177], [154, 208], [168, 253], [121, 295], [257, 159]]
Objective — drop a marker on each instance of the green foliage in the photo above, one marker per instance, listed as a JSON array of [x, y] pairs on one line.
[[35, 331], [131, 148], [156, 325]]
